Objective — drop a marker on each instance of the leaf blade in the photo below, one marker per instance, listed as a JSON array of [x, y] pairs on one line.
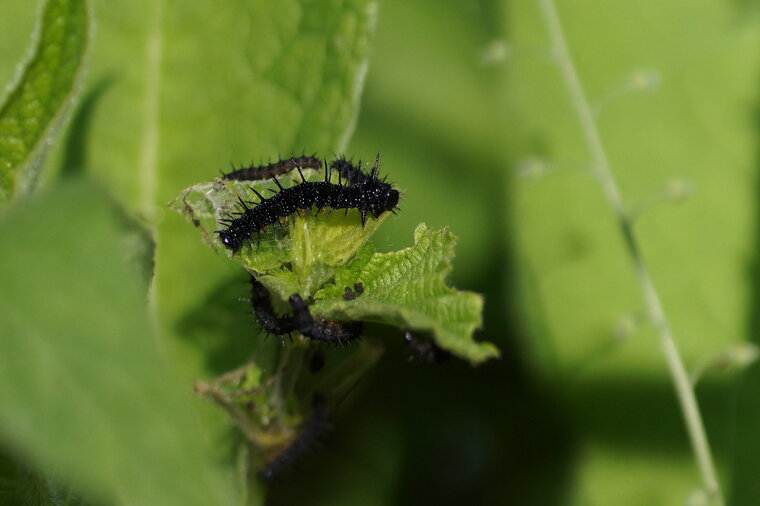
[[30, 109], [408, 289], [92, 401]]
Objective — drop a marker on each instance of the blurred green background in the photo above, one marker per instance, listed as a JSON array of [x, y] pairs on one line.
[[464, 101]]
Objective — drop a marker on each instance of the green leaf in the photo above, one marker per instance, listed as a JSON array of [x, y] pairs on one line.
[[36, 101], [660, 86], [85, 390], [408, 289], [568, 236]]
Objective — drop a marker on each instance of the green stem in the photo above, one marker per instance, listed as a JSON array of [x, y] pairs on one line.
[[603, 173]]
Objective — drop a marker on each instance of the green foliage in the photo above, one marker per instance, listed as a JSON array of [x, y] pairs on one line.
[[406, 289], [84, 387], [171, 96], [661, 87], [182, 92], [581, 241], [459, 98], [41, 92], [498, 102]]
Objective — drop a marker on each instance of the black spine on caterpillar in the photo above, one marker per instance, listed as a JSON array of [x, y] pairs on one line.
[[350, 173], [370, 195], [310, 433], [302, 321], [271, 170]]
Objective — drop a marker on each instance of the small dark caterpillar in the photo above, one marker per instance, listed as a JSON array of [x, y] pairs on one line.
[[369, 195], [261, 302], [302, 321], [350, 294], [323, 330], [310, 433], [272, 170], [422, 350]]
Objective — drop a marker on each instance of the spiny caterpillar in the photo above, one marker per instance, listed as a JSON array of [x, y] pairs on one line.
[[365, 192], [271, 170], [301, 320], [423, 350], [311, 432]]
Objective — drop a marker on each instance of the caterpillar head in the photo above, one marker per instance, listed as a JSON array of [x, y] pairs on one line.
[[380, 197], [230, 238]]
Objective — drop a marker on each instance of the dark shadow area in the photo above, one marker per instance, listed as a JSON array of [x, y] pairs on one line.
[[453, 434], [642, 414], [21, 485], [222, 329], [223, 314], [447, 434], [74, 159], [444, 435], [745, 483]]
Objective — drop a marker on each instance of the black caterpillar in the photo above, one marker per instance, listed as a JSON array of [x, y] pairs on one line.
[[365, 192], [347, 170], [272, 170], [310, 433], [323, 330], [422, 350], [261, 304], [301, 320], [349, 294]]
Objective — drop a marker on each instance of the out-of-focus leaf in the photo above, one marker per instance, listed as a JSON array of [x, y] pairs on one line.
[[84, 389], [567, 236], [35, 102], [21, 486], [408, 289], [672, 98]]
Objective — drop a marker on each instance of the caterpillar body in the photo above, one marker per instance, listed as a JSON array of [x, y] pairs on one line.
[[365, 192]]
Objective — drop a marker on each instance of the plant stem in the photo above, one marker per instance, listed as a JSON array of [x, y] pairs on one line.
[[603, 173]]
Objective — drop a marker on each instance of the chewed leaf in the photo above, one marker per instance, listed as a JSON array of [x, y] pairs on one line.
[[40, 94], [321, 245], [205, 204], [312, 243], [408, 289]]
